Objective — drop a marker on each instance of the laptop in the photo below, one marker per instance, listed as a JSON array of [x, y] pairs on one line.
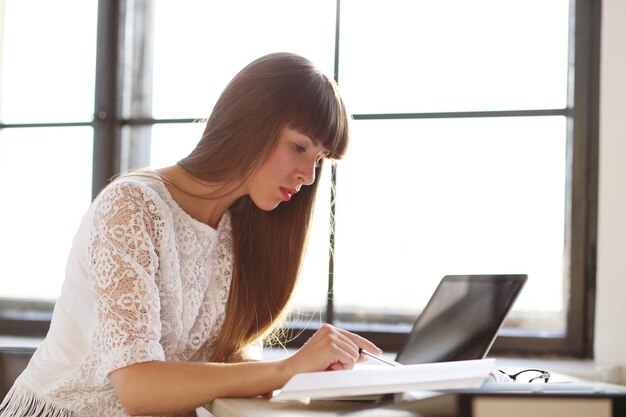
[[462, 318]]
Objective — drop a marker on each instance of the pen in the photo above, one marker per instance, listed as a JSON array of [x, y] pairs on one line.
[[379, 358]]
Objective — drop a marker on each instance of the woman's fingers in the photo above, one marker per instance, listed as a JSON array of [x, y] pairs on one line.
[[331, 348], [334, 346], [361, 342]]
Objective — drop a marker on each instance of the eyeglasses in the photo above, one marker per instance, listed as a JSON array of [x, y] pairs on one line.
[[528, 375]]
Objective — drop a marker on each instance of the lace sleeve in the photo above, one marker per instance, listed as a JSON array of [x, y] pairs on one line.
[[122, 267]]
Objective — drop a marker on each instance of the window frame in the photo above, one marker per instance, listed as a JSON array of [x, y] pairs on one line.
[[32, 318]]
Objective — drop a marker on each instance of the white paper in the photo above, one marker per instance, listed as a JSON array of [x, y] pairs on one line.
[[383, 380]]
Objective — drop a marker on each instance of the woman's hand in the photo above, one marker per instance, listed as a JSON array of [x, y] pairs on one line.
[[329, 348]]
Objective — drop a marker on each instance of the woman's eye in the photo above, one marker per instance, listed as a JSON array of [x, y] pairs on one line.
[[299, 148]]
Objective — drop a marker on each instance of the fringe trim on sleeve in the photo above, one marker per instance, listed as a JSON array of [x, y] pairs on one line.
[[21, 401]]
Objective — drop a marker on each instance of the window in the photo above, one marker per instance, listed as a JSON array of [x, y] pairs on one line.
[[473, 148]]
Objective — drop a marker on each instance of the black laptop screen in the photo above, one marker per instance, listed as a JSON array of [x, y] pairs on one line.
[[462, 318]]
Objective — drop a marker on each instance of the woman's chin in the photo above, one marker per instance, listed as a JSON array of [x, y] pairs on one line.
[[267, 205]]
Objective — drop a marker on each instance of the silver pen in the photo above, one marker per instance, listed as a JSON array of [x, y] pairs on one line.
[[379, 358]]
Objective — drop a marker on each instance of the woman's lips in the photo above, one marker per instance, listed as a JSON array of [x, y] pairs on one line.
[[287, 193]]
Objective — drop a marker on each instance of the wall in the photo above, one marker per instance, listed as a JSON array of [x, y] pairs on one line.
[[610, 340]]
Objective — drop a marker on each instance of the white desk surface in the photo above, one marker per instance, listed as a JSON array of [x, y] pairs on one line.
[[260, 407]]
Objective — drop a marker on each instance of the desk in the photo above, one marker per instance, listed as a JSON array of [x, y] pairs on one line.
[[236, 407], [257, 407]]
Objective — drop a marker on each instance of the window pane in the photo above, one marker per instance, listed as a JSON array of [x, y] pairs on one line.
[[48, 61], [45, 181], [458, 196], [199, 45], [453, 55], [312, 292], [172, 142]]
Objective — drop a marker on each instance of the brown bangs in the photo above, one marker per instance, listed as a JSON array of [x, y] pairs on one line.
[[319, 112]]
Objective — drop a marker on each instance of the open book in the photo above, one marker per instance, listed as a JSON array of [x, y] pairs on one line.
[[387, 379]]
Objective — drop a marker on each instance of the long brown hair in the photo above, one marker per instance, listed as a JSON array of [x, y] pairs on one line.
[[272, 92]]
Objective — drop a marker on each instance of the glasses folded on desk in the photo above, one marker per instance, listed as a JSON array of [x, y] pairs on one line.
[[529, 375]]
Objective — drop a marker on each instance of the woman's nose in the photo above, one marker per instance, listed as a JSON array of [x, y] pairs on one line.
[[306, 174]]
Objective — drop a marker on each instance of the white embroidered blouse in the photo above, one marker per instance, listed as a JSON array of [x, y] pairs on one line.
[[144, 281]]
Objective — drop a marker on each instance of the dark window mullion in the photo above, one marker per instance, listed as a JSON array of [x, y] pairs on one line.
[[464, 114], [106, 146], [140, 121], [583, 148], [52, 124]]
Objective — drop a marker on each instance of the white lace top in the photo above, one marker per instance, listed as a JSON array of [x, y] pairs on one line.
[[144, 281]]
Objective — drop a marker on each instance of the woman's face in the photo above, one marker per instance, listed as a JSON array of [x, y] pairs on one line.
[[290, 165]]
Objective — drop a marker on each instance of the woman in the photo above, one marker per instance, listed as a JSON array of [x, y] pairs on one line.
[[176, 273]]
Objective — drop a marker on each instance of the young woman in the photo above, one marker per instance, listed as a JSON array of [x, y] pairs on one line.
[[176, 273]]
